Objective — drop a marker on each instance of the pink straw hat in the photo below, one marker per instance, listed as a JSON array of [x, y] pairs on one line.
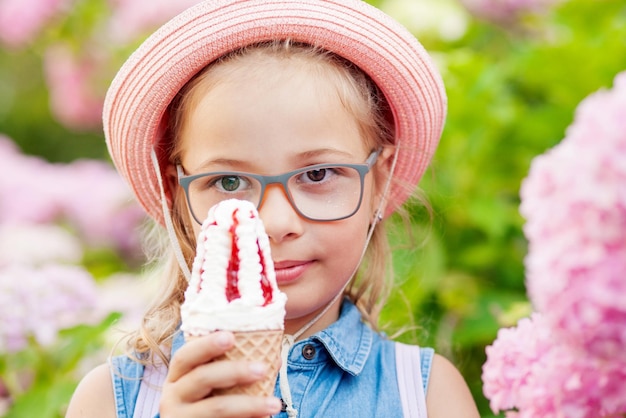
[[137, 100]]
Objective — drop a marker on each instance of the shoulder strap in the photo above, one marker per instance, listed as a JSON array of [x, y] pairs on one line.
[[413, 370], [147, 405], [154, 374]]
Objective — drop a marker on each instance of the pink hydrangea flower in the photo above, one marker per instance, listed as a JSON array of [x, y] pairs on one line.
[[600, 115], [529, 369], [38, 302], [100, 205], [75, 100], [570, 360], [511, 360], [574, 202], [88, 195], [22, 20], [27, 193]]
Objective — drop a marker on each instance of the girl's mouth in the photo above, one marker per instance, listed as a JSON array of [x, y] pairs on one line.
[[289, 271]]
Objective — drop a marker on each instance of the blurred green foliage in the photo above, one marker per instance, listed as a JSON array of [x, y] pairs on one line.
[[512, 92]]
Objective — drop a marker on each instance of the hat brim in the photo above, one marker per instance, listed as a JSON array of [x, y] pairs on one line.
[[146, 84]]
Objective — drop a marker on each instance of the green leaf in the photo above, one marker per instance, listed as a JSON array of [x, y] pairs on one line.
[[79, 341]]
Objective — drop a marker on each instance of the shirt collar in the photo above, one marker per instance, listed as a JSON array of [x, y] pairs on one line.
[[348, 340]]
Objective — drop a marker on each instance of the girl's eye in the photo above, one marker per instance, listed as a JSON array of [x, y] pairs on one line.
[[229, 183], [320, 176], [316, 175]]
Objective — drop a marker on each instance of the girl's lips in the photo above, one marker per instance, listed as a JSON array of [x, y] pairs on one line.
[[290, 271]]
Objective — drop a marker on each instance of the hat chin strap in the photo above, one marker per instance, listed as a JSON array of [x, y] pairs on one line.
[[289, 340], [167, 218]]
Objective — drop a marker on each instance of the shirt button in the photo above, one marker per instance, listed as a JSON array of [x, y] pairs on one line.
[[308, 351]]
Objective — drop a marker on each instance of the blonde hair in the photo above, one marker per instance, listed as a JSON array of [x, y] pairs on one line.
[[370, 287]]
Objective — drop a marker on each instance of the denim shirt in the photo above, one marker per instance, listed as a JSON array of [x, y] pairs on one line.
[[345, 370]]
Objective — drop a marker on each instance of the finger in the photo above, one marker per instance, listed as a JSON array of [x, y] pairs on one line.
[[202, 380], [231, 406], [199, 351]]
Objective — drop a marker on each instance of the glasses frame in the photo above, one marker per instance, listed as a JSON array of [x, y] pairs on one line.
[[282, 179]]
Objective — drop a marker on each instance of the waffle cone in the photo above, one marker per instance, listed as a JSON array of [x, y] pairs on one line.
[[261, 346]]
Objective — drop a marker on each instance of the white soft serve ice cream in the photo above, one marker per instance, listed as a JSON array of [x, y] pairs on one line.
[[233, 284]]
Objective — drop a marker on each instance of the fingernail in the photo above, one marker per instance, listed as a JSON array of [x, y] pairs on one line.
[[258, 369], [223, 339], [274, 405]]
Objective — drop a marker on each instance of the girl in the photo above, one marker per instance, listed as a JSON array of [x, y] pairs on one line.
[[260, 88]]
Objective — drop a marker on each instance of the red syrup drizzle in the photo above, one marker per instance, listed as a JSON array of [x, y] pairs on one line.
[[232, 272], [265, 284]]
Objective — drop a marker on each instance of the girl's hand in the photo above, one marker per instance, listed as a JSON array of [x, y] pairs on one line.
[[193, 375]]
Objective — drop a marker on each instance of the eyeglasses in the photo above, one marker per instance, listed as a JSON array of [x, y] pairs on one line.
[[321, 192]]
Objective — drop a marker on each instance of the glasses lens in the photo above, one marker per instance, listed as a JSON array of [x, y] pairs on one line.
[[322, 193], [207, 191], [326, 193]]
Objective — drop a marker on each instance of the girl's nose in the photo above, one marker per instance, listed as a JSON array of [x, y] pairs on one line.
[[280, 218]]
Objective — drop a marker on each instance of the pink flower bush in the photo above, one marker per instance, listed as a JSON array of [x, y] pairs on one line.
[[88, 195], [530, 370], [26, 194], [511, 361], [37, 302], [574, 201], [75, 99], [22, 20], [107, 214], [570, 360], [52, 217]]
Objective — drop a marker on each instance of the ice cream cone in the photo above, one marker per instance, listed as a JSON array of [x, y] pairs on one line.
[[260, 346], [233, 287]]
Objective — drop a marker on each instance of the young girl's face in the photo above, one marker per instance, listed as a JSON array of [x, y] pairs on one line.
[[269, 120]]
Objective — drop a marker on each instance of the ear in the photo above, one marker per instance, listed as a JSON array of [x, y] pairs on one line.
[[383, 167], [170, 182], [385, 159]]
